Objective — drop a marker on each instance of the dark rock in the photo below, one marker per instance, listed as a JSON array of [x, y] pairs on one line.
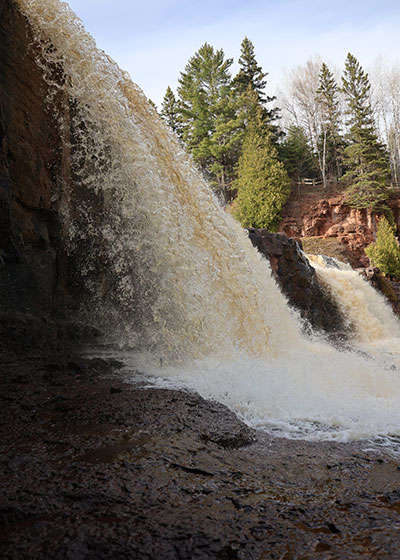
[[390, 289], [39, 296], [298, 281], [84, 475]]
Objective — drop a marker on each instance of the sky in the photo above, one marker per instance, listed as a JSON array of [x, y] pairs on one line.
[[154, 39]]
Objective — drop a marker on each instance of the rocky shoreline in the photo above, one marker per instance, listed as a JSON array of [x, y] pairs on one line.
[[93, 467]]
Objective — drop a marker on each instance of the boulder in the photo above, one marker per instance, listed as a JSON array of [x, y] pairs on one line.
[[298, 281]]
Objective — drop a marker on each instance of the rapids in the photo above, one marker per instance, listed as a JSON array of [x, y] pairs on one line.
[[180, 291]]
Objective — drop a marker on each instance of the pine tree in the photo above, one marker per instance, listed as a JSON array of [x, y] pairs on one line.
[[170, 112], [210, 122], [263, 185], [384, 253], [330, 143], [251, 74], [364, 157], [296, 154]]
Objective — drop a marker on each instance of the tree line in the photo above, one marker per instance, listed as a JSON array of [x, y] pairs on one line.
[[233, 131]]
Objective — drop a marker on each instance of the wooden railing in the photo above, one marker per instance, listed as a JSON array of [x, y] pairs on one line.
[[313, 182]]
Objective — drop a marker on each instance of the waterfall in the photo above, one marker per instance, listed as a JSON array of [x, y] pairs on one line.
[[370, 318], [174, 281]]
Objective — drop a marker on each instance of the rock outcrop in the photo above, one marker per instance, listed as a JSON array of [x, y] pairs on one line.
[[317, 213], [35, 290], [298, 281]]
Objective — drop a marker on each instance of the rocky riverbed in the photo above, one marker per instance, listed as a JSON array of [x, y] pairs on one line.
[[93, 468]]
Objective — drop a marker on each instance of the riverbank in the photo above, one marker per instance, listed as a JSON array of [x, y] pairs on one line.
[[93, 467]]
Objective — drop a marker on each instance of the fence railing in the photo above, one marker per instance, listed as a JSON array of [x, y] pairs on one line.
[[313, 182]]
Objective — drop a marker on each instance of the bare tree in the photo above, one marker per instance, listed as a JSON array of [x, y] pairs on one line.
[[305, 103], [386, 104]]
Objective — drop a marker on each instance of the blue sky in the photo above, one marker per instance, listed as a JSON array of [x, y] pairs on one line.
[[153, 39]]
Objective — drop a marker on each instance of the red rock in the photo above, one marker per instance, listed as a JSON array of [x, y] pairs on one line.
[[318, 213]]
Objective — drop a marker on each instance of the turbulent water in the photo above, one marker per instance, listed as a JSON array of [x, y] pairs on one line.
[[369, 317], [174, 280]]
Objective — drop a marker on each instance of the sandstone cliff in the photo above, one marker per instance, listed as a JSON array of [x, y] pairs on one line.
[[313, 212]]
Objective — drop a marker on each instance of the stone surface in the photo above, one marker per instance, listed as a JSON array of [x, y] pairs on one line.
[[29, 162], [30, 171], [313, 212], [39, 294], [298, 281], [94, 468]]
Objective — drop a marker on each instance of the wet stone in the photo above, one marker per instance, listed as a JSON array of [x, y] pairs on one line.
[[90, 472]]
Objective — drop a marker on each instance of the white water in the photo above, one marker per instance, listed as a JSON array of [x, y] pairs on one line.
[[181, 288], [370, 318]]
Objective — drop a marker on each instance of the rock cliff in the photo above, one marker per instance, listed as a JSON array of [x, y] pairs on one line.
[[35, 287], [298, 282], [323, 214]]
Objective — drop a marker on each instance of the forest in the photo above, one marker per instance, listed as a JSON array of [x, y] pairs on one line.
[[253, 148]]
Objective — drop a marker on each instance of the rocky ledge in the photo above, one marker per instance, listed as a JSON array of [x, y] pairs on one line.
[[317, 213], [95, 468], [298, 282]]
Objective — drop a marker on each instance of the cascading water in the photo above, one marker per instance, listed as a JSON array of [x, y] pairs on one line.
[[370, 318], [181, 285]]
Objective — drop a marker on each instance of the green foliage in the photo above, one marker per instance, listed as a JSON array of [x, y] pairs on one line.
[[251, 77], [263, 185], [330, 143], [211, 128], [364, 157], [296, 154], [151, 102], [384, 253], [171, 113]]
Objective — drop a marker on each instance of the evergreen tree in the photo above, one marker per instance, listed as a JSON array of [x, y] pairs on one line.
[[211, 129], [330, 143], [170, 112], [263, 185], [251, 74], [364, 156], [296, 154], [384, 253]]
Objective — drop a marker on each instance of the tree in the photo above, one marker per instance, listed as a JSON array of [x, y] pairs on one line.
[[386, 104], [296, 154], [364, 156], [330, 142], [251, 74], [151, 102], [301, 100], [170, 112], [384, 253], [211, 129], [263, 185]]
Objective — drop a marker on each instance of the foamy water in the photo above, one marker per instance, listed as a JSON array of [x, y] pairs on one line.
[[180, 287]]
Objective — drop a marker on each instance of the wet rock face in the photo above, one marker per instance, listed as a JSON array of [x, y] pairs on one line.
[[30, 171], [298, 281], [37, 293]]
